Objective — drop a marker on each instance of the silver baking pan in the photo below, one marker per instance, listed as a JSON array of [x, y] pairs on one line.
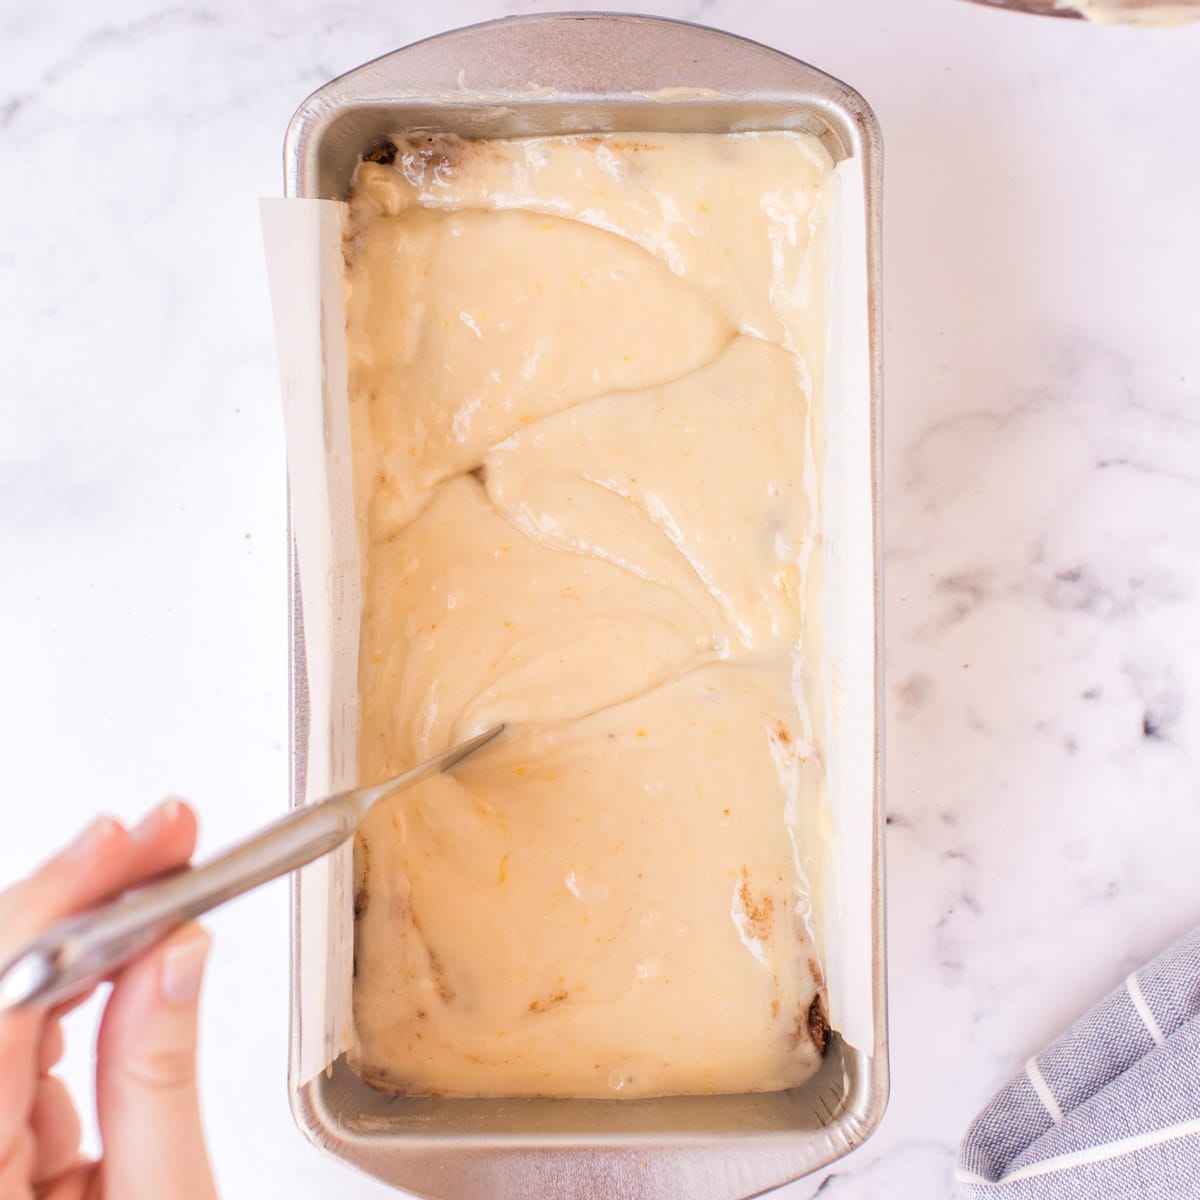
[[551, 74]]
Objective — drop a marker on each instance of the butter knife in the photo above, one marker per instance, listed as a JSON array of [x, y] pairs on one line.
[[76, 954]]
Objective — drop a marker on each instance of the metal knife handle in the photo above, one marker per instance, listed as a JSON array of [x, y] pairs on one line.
[[76, 954]]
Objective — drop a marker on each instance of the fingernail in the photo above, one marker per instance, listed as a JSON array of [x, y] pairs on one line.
[[155, 822], [183, 968], [91, 838]]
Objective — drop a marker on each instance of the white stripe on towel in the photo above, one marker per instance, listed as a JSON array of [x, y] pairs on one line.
[[1094, 1154], [1045, 1095], [1139, 1002]]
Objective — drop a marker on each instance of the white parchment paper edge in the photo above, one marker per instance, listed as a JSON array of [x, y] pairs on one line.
[[303, 240], [848, 620]]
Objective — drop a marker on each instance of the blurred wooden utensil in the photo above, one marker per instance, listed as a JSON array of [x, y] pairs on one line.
[[1041, 8]]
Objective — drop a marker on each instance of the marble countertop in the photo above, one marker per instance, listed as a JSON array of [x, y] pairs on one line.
[[1042, 259]]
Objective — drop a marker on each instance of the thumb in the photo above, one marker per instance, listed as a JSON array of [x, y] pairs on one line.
[[146, 1076]]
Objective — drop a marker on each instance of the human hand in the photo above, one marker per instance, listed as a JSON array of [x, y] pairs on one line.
[[146, 1097]]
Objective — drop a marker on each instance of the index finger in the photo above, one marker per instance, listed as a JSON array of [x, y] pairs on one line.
[[105, 859]]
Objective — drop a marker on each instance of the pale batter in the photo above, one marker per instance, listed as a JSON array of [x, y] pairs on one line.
[[1147, 14], [586, 400]]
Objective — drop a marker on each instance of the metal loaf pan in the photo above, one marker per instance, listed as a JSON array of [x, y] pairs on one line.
[[569, 73]]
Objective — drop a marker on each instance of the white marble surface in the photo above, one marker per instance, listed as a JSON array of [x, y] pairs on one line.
[[1043, 500]]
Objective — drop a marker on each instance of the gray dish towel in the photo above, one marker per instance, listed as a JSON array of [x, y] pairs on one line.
[[1109, 1110]]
